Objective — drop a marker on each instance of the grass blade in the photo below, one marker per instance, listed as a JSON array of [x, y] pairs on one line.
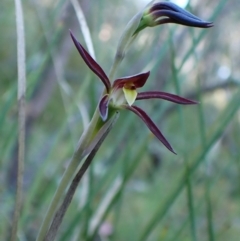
[[190, 201], [84, 27], [21, 113]]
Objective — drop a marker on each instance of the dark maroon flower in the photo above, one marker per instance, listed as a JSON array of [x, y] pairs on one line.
[[167, 12], [122, 93]]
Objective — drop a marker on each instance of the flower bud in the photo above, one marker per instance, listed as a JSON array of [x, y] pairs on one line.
[[167, 12]]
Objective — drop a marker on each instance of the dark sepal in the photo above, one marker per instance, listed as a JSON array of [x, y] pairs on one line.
[[179, 18], [177, 15], [91, 63], [165, 96], [152, 127]]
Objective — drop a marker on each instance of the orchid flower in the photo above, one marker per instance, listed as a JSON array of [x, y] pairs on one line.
[[122, 94], [119, 94]]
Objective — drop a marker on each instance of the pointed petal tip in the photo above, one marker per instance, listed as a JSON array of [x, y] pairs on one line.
[[209, 24], [173, 152], [147, 73], [72, 36], [169, 147], [189, 102], [194, 102]]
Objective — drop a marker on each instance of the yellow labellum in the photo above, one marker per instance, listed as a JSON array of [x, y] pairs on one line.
[[130, 95]]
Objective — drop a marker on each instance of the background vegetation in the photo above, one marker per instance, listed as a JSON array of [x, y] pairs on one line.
[[135, 188]]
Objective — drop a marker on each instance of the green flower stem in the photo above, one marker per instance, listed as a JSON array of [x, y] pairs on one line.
[[85, 140], [128, 36], [68, 198]]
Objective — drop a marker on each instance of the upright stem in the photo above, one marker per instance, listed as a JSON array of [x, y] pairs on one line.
[[21, 114], [68, 198], [68, 175], [84, 27], [190, 198], [114, 66]]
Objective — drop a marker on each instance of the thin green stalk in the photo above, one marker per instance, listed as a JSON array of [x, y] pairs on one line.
[[84, 27], [207, 176], [202, 129], [116, 188], [68, 198], [236, 156], [121, 182], [68, 175], [126, 40], [21, 114], [112, 181], [188, 178], [219, 8], [119, 204], [88, 207]]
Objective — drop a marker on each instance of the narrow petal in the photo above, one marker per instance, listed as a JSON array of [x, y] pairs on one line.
[[91, 63], [103, 107], [173, 7], [175, 14], [179, 18], [137, 81], [165, 96], [130, 95], [152, 127]]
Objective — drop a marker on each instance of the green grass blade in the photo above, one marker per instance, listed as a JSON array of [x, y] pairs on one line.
[[190, 200], [21, 114]]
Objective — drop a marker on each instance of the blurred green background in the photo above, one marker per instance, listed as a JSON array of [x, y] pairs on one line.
[[135, 189]]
